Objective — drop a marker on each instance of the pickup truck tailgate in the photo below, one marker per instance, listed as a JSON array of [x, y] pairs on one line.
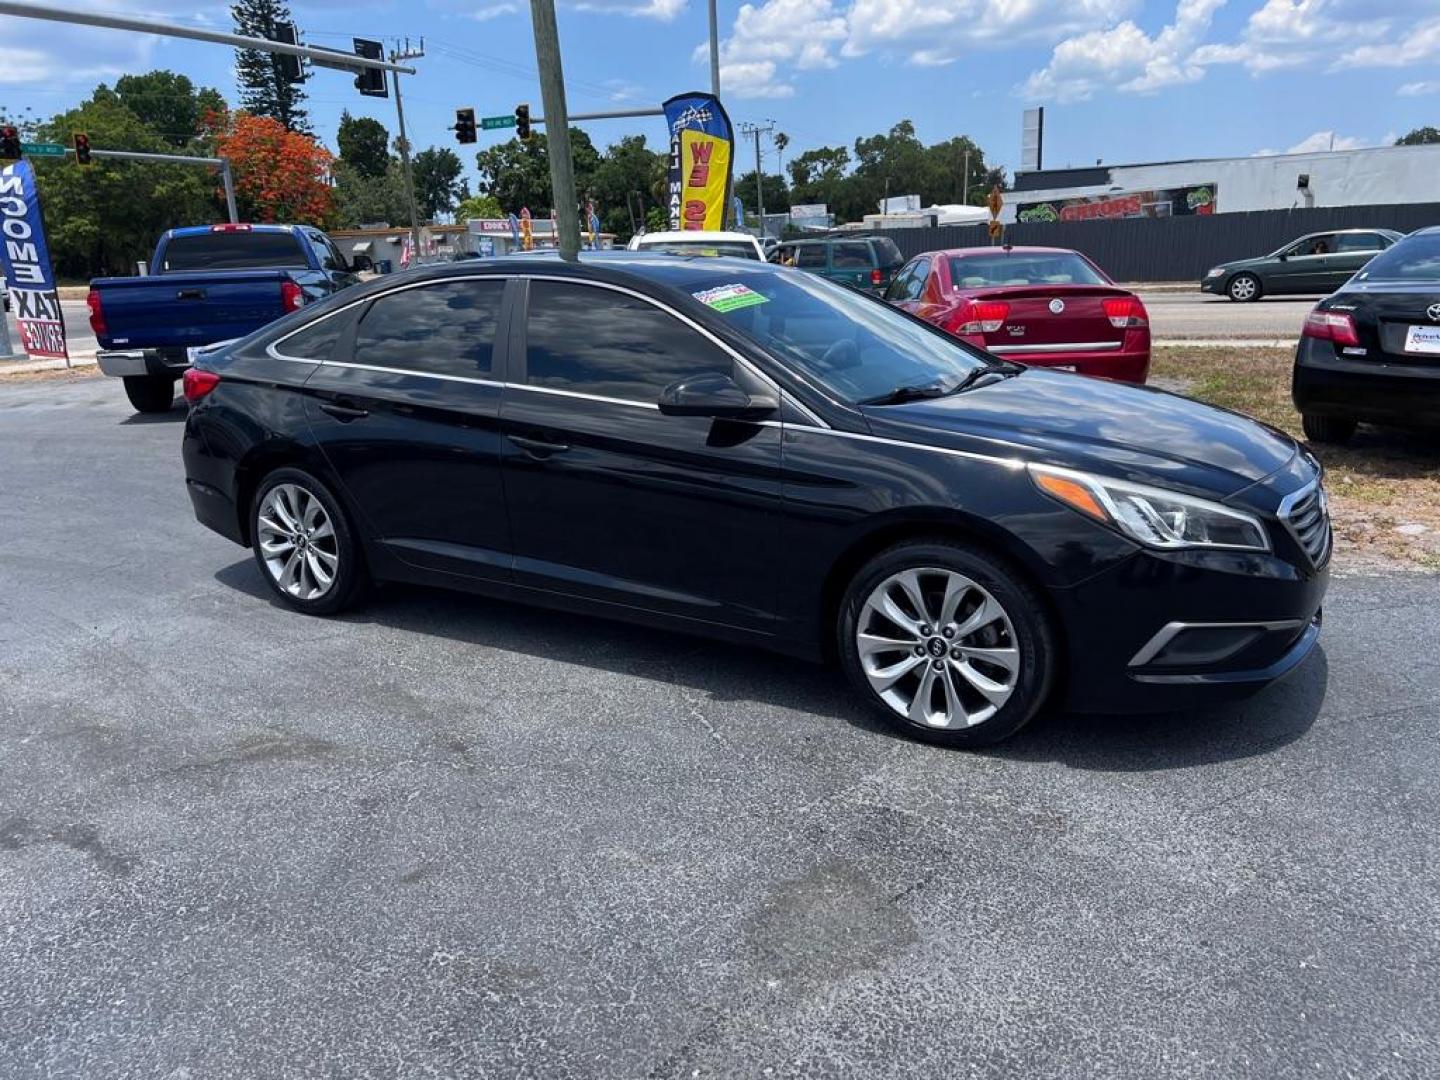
[[183, 309]]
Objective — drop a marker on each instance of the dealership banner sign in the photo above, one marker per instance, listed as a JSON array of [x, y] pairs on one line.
[[29, 278], [702, 150], [1164, 202]]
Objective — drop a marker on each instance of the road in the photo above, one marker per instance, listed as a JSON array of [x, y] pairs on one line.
[[1193, 314], [447, 837]]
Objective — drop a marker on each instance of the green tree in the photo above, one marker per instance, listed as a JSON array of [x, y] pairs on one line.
[[627, 168], [264, 90], [1419, 137], [369, 200], [103, 218], [364, 144], [478, 207], [169, 104], [819, 176], [777, 195], [437, 181], [517, 171]]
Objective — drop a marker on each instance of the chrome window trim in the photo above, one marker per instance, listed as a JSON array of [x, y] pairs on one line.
[[1170, 630], [474, 380], [583, 396], [1062, 347]]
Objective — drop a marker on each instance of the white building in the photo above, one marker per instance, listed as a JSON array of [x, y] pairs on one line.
[[1382, 175]]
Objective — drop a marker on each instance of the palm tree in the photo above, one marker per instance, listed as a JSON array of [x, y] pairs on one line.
[[781, 142]]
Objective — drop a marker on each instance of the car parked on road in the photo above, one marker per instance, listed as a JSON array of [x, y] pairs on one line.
[[735, 245], [207, 283], [1317, 262], [867, 263], [738, 450], [1046, 307], [1371, 351]]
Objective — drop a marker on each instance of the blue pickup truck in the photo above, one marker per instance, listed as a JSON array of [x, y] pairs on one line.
[[207, 284]]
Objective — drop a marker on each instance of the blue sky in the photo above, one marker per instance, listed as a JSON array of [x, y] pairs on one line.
[[1122, 80]]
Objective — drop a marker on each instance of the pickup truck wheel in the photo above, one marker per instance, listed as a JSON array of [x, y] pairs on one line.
[[150, 393], [304, 545]]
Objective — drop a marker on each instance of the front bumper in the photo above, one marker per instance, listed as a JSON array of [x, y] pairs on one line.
[[1378, 388], [1214, 284], [1168, 631]]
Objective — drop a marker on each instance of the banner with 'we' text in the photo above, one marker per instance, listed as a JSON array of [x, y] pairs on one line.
[[702, 149]]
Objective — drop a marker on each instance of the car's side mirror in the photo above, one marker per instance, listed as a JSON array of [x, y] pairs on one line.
[[361, 262], [714, 395]]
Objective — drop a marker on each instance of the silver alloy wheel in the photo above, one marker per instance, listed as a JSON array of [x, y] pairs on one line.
[[297, 542], [1243, 287], [937, 648]]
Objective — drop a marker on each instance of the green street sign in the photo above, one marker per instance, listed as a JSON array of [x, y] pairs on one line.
[[490, 123], [42, 149]]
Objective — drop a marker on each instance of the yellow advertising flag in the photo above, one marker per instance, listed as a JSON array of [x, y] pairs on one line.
[[705, 172]]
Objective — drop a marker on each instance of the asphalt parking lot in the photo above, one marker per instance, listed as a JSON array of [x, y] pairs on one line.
[[450, 837], [1189, 313]]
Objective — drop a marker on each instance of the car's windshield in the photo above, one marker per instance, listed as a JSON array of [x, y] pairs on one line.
[[858, 347], [1415, 258], [1022, 268], [735, 249]]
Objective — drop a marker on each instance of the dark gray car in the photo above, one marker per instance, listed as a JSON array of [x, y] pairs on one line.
[[1318, 262]]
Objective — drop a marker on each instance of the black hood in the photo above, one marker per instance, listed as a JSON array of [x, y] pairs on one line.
[[1134, 432]]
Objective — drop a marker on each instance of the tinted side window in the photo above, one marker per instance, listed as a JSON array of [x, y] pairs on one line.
[[886, 251], [596, 341], [1359, 242], [900, 283], [811, 256], [915, 287], [443, 329], [850, 256], [317, 341]]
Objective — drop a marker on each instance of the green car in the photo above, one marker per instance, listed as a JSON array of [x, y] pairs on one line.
[[866, 263], [1316, 263]]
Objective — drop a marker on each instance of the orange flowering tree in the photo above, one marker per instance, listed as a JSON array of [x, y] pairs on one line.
[[280, 175]]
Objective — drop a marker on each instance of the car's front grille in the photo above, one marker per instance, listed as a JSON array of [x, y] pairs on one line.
[[1306, 514]]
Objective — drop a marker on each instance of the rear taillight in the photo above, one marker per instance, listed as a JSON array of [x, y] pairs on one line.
[[197, 382], [1333, 326], [877, 278], [1125, 312], [980, 316], [291, 296], [97, 314]]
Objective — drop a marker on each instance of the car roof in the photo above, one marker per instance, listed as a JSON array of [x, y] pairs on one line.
[[1015, 249], [699, 236], [198, 230]]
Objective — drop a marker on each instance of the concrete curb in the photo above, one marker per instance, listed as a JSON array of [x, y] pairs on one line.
[[26, 366]]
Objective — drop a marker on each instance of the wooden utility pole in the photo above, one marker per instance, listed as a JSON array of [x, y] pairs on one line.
[[557, 126]]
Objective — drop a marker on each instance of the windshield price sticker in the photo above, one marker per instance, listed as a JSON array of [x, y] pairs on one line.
[[729, 297]]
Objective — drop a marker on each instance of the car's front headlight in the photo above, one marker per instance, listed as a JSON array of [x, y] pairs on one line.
[[1151, 516], [1215, 271]]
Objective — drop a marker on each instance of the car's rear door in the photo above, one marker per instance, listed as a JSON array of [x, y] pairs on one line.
[[611, 500], [1352, 252], [406, 412]]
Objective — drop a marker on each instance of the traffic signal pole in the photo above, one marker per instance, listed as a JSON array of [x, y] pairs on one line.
[[227, 178], [552, 93], [404, 147]]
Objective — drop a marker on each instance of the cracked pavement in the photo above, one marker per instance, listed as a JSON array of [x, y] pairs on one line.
[[452, 837]]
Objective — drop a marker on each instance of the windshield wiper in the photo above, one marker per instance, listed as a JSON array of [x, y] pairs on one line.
[[902, 394]]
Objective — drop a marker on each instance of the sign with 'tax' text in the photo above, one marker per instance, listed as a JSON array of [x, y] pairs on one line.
[[29, 277]]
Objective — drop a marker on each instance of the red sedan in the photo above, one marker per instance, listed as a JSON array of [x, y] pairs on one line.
[[1049, 307]]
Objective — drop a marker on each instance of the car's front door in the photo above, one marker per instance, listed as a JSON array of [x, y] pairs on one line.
[[612, 500], [406, 412], [1305, 267]]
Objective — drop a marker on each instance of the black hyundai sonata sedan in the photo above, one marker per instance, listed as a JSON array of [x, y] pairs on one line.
[[750, 452]]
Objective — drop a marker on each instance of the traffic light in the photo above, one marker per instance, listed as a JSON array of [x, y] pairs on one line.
[[291, 70], [9, 143], [371, 81], [465, 125], [522, 121], [82, 148]]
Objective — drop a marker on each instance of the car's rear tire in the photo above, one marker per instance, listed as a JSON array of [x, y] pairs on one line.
[[150, 393], [1243, 288], [306, 549], [1328, 429], [950, 644]]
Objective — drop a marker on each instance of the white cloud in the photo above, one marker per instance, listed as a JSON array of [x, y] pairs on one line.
[[1415, 45], [942, 31], [1126, 57], [664, 10], [770, 42], [1420, 89], [493, 11], [1322, 141], [46, 54]]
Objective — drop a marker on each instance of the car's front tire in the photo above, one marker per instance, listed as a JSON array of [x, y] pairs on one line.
[[950, 644], [304, 544], [1328, 429], [1244, 288], [150, 393]]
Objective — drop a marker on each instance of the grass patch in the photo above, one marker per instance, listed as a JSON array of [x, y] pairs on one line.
[[1383, 481]]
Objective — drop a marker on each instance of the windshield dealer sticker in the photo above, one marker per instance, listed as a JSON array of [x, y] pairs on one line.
[[729, 297]]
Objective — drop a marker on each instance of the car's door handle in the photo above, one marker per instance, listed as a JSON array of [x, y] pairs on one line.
[[343, 413], [190, 294], [537, 447]]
